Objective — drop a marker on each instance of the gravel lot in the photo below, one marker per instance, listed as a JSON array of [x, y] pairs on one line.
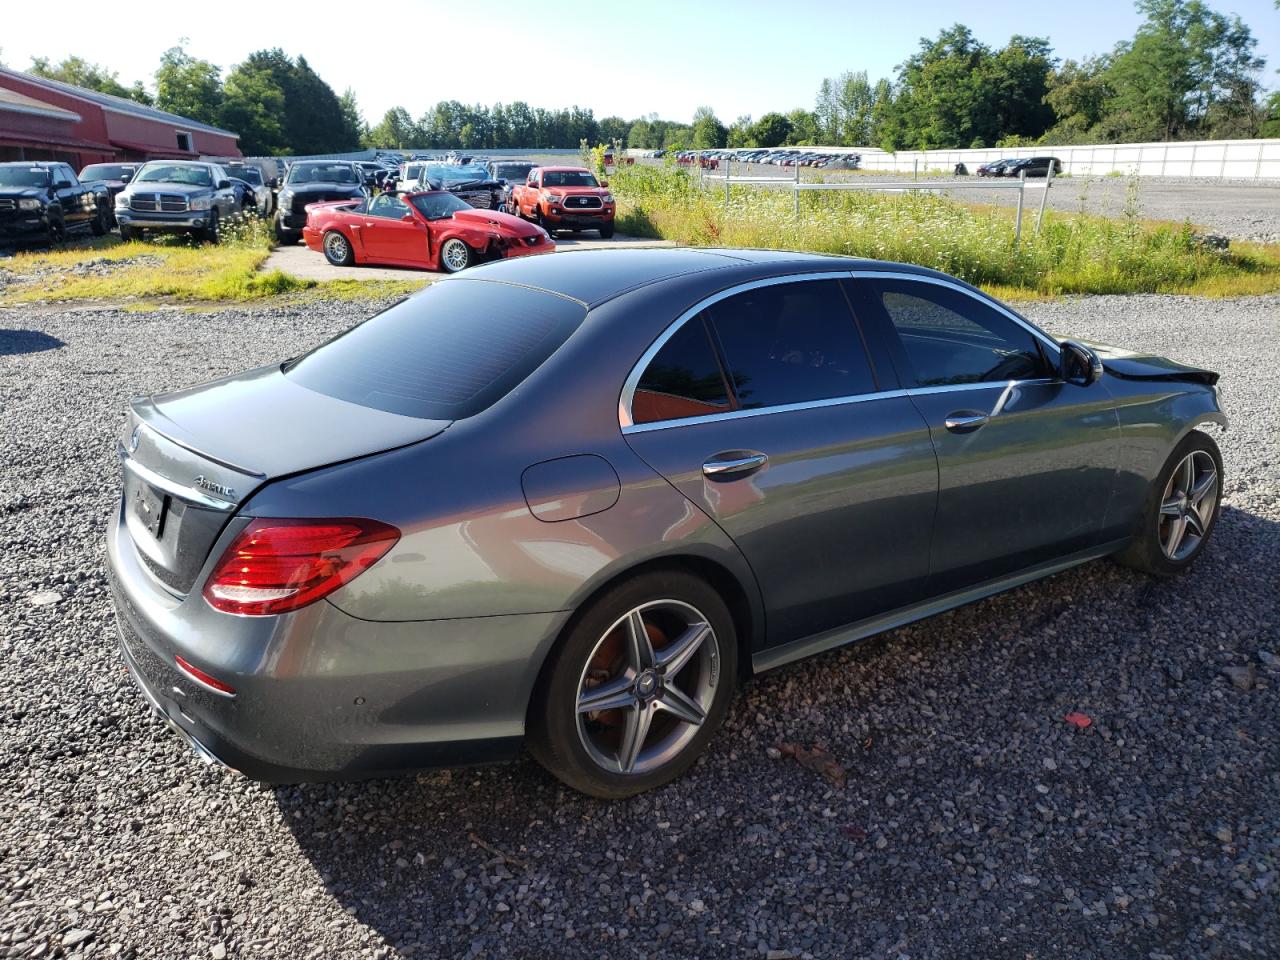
[[975, 821]]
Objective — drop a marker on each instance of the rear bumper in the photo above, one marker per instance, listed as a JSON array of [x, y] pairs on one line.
[[321, 695], [311, 237]]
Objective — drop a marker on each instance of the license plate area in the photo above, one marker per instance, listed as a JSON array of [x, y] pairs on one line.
[[150, 508]]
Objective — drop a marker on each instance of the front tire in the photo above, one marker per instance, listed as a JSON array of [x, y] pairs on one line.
[[455, 255], [286, 237], [337, 249], [101, 223], [1181, 510], [637, 687], [129, 234], [606, 232], [214, 230]]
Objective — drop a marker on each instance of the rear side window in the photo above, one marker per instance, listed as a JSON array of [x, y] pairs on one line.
[[683, 380], [791, 343], [444, 354], [953, 338]]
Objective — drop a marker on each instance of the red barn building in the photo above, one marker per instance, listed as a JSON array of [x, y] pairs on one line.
[[44, 119]]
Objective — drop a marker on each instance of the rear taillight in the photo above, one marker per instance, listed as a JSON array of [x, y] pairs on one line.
[[275, 566]]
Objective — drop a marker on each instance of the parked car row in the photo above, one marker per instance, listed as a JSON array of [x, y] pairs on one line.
[[777, 156], [1021, 167], [47, 202]]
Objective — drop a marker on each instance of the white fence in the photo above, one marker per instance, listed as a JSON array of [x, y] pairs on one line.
[[1215, 159]]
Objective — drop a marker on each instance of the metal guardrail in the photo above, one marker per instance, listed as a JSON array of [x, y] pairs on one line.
[[796, 185]]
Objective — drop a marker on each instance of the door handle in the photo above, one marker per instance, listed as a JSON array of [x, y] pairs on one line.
[[965, 421], [734, 463]]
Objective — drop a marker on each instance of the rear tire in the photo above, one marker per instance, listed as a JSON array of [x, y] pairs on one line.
[[337, 249], [1181, 509], [687, 661]]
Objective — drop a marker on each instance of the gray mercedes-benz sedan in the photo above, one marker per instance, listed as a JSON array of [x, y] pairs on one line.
[[574, 501]]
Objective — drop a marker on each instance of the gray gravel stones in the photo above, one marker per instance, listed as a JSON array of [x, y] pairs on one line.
[[975, 821]]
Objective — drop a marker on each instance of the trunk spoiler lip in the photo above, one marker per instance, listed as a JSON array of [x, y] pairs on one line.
[[148, 413]]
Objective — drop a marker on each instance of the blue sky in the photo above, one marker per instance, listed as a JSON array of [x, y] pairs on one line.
[[624, 58]]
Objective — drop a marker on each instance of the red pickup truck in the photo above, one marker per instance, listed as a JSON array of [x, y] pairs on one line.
[[565, 198]]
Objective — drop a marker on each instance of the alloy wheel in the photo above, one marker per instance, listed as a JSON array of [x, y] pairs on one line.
[[647, 687], [456, 255], [1187, 506], [335, 245]]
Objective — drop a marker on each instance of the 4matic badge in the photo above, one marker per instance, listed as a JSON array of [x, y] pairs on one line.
[[204, 483]]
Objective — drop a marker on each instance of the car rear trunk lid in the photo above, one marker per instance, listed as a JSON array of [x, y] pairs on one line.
[[192, 458]]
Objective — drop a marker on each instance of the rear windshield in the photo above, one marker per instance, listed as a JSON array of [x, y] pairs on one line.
[[446, 353]]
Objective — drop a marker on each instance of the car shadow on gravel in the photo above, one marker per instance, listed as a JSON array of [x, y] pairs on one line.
[[502, 860], [15, 342]]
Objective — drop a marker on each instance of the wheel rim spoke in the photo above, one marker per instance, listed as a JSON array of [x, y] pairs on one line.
[[673, 658], [611, 695], [634, 734], [677, 703], [1173, 540], [1187, 475], [1207, 484], [1193, 524], [1171, 508], [639, 647]]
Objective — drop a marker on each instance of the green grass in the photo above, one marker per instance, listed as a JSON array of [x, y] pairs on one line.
[[1074, 253], [177, 269]]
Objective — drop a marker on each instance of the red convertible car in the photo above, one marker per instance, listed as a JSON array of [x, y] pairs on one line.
[[433, 230]]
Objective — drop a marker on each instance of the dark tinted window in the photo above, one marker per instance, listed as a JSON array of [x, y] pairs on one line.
[[445, 353], [791, 343], [683, 380], [951, 337]]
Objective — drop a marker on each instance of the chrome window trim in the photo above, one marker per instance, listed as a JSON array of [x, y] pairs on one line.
[[762, 411], [629, 426]]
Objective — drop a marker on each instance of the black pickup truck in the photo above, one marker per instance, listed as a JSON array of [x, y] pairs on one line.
[[45, 201]]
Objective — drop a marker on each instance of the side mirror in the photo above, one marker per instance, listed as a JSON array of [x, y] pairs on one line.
[[126, 177], [61, 184], [604, 183], [1079, 364], [408, 218], [224, 184]]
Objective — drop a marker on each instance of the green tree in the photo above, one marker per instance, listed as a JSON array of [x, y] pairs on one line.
[[91, 76], [1184, 60], [396, 131], [708, 131], [353, 125], [1017, 79], [740, 133], [253, 106], [188, 86], [1077, 93], [804, 128], [771, 130]]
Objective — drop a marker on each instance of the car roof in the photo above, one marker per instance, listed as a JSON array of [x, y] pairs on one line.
[[544, 167], [593, 277]]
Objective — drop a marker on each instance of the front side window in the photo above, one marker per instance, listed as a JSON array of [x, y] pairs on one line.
[[683, 380], [791, 343], [385, 205], [953, 338]]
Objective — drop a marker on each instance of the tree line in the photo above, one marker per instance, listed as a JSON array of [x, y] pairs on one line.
[[1189, 72]]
